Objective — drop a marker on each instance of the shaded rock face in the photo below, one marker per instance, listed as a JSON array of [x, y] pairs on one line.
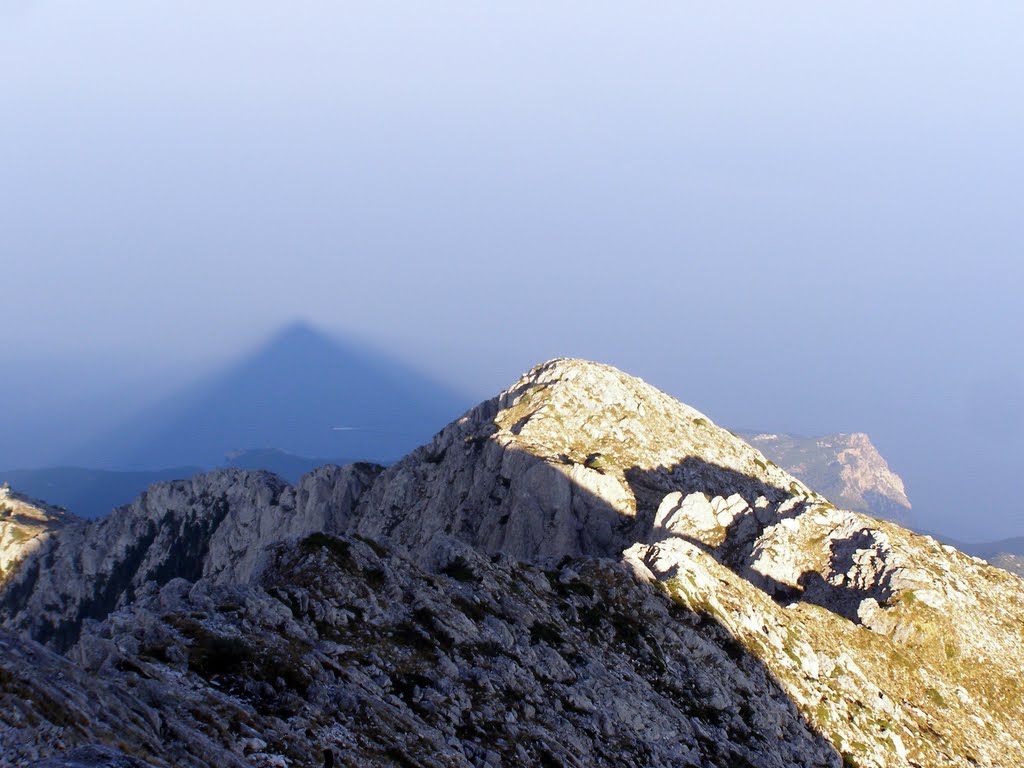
[[215, 525], [845, 468], [581, 571]]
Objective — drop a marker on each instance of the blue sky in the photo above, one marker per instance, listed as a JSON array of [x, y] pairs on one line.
[[801, 217]]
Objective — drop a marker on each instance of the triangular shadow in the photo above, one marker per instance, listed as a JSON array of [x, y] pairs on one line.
[[303, 391]]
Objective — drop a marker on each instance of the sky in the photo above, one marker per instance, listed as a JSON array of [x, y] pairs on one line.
[[802, 217]]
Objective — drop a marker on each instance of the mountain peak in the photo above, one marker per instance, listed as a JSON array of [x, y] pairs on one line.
[[576, 408], [580, 455], [299, 333]]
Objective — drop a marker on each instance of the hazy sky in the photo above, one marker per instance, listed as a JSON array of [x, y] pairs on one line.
[[800, 216]]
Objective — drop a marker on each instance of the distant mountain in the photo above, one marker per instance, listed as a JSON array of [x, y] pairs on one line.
[[993, 549], [281, 463], [1007, 554], [302, 392], [846, 468], [89, 493], [1010, 562]]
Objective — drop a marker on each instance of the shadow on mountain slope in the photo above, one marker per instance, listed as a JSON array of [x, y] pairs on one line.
[[730, 739], [737, 547], [648, 487], [471, 483]]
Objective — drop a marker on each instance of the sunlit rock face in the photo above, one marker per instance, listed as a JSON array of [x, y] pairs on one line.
[[580, 571], [24, 525], [578, 459], [846, 468]]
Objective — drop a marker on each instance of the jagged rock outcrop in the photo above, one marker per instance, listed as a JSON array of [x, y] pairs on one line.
[[216, 525], [24, 525], [581, 571], [846, 468]]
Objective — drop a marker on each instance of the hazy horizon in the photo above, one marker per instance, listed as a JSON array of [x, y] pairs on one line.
[[796, 220]]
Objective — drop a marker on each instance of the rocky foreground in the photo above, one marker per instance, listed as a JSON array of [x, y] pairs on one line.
[[581, 571]]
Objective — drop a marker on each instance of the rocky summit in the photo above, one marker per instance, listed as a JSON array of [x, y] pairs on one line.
[[581, 571]]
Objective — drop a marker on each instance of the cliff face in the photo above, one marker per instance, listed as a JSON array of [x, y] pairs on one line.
[[847, 469], [581, 571], [215, 526]]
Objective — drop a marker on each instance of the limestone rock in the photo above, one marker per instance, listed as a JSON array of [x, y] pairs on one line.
[[92, 756], [24, 525], [574, 459]]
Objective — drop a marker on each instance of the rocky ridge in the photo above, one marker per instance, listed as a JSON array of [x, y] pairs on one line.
[[25, 524], [214, 526], [575, 459], [846, 468], [659, 536], [1007, 554]]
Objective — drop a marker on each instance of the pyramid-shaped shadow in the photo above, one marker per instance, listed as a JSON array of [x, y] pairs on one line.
[[302, 392]]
